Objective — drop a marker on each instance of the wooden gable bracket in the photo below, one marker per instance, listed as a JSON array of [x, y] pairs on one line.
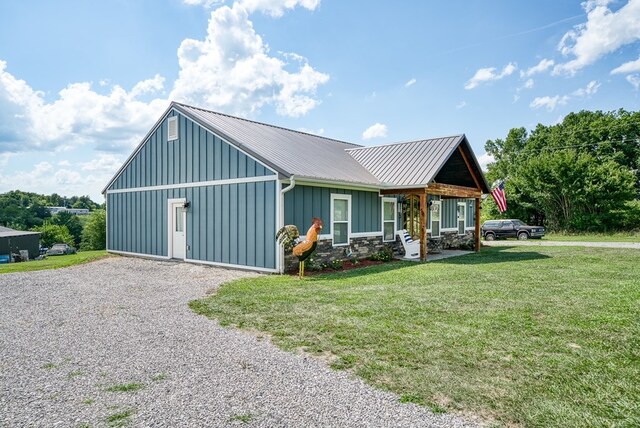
[[473, 174]]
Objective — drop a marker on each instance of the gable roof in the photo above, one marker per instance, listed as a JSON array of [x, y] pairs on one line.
[[415, 163], [308, 156], [287, 151]]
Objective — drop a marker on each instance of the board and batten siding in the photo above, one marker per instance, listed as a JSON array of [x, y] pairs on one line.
[[449, 215], [226, 223], [197, 155], [304, 202]]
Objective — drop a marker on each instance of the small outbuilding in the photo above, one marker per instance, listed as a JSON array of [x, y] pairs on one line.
[[12, 241], [207, 187]]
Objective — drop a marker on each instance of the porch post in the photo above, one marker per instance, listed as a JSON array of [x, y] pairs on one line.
[[477, 225], [423, 226]]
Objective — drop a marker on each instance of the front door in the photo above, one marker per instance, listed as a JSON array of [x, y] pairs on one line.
[[178, 242]]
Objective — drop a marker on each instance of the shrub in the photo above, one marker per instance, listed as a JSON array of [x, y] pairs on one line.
[[94, 235], [336, 264], [384, 255]]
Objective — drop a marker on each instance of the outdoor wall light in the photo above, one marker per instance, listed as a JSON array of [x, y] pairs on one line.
[[186, 206]]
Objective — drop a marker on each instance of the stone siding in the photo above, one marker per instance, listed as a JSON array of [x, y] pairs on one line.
[[360, 248]]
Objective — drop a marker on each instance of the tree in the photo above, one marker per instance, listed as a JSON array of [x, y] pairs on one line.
[[73, 224], [94, 236], [580, 174], [54, 234]]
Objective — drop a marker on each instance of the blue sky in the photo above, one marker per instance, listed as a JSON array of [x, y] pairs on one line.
[[81, 81]]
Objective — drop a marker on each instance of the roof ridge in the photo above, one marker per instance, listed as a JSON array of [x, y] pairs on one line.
[[405, 142], [268, 124]]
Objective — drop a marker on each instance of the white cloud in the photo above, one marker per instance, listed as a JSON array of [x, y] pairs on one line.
[[489, 74], [541, 67], [231, 70], [603, 33], [485, 160], [111, 121], [461, 104], [410, 82], [104, 163], [549, 103], [64, 163], [590, 89], [276, 8], [528, 84], [634, 79], [377, 130], [627, 67], [312, 131]]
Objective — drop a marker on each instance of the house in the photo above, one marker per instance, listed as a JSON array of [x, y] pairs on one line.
[[13, 241], [210, 188], [76, 211]]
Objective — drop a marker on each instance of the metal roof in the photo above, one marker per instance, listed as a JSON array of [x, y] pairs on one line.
[[8, 232], [312, 157], [286, 151], [414, 163]]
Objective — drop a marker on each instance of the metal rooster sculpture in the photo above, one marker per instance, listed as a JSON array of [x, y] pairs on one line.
[[289, 237]]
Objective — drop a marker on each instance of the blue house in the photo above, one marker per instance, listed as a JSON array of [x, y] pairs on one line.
[[210, 188]]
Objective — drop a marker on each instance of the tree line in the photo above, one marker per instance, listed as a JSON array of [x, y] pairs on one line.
[[28, 211], [582, 174]]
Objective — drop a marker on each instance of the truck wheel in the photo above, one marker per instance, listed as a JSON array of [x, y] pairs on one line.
[[489, 237], [523, 236]]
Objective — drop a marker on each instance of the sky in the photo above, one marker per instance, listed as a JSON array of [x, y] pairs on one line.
[[82, 81]]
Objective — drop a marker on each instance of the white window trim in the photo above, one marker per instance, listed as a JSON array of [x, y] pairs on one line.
[[395, 217], [335, 196], [439, 203], [172, 119], [170, 213], [463, 204]]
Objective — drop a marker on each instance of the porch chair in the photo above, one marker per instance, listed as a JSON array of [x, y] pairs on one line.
[[411, 247]]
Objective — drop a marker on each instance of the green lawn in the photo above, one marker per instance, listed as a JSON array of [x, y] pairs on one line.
[[53, 262], [594, 237], [521, 336]]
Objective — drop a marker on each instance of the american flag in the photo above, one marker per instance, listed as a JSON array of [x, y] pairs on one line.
[[498, 195]]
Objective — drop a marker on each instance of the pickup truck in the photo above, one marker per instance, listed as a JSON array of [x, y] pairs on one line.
[[512, 228]]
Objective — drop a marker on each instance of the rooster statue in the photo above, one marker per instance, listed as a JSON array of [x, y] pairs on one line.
[[289, 237]]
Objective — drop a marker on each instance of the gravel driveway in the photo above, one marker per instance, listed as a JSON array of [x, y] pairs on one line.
[[113, 342]]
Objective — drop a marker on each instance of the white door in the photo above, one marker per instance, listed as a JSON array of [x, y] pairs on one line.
[[178, 244]]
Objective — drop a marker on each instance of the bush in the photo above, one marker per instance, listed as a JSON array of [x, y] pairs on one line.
[[54, 234], [94, 235], [336, 264], [384, 255]]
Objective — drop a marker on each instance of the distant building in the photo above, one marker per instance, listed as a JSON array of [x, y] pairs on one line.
[[76, 211], [12, 241]]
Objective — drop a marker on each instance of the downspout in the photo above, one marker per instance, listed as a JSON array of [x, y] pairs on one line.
[[292, 184]]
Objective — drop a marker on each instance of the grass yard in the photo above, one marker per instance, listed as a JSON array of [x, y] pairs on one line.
[[53, 262], [520, 336], [594, 237]]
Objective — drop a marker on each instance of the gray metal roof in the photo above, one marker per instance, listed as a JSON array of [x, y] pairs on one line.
[[414, 163], [7, 232], [286, 151]]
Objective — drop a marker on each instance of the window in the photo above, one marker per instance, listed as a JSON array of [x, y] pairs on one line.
[[178, 219], [340, 219], [388, 219], [435, 218], [462, 217], [172, 128]]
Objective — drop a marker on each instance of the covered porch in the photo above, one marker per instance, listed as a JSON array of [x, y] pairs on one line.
[[444, 191]]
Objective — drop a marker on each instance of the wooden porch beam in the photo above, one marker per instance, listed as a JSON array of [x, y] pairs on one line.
[[412, 191], [423, 227], [473, 174], [477, 225], [452, 190]]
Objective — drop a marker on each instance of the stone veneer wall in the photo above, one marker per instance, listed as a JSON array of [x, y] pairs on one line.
[[364, 247], [360, 248]]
